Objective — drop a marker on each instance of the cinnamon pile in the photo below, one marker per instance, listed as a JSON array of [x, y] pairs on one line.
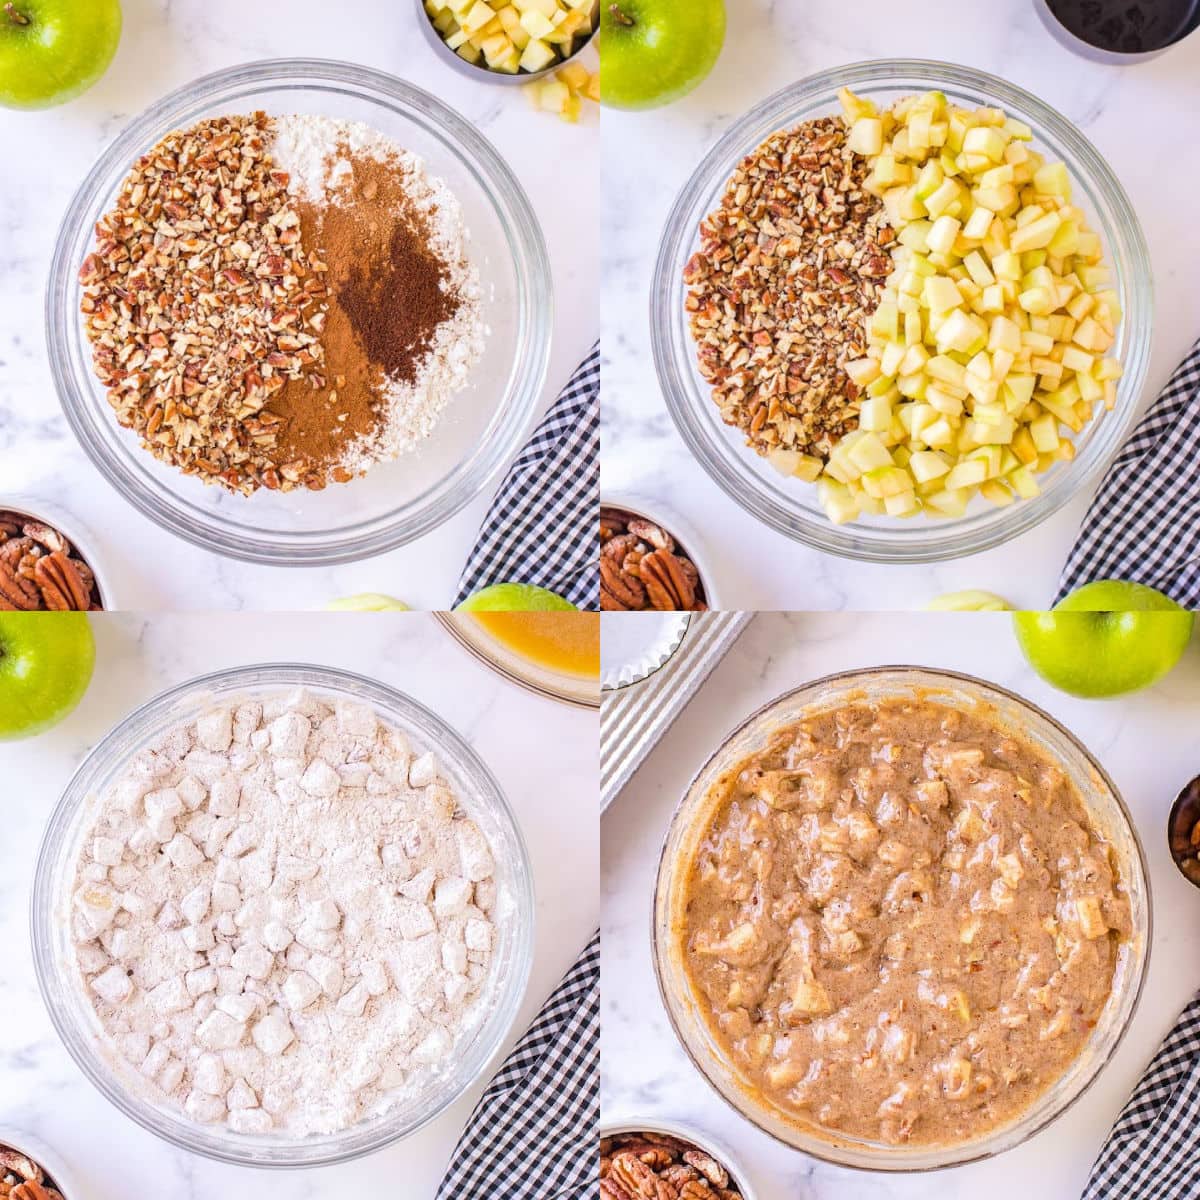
[[386, 300]]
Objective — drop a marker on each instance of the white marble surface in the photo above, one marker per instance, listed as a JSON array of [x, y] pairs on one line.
[[167, 43], [1133, 116], [1147, 742], [549, 780]]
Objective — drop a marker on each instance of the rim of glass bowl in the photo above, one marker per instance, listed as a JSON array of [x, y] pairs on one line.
[[777, 503], [1050, 734], [87, 412], [56, 984]]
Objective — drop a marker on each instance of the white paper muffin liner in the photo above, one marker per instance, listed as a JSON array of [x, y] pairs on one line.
[[634, 645]]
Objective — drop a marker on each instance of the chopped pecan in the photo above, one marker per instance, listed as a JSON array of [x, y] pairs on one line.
[[790, 267], [178, 292]]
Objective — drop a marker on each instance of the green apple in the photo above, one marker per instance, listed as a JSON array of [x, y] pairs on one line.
[[1105, 639], [969, 601], [46, 662], [515, 597], [367, 602], [654, 51], [54, 50]]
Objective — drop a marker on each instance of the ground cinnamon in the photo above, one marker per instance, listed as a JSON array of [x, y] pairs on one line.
[[386, 300]]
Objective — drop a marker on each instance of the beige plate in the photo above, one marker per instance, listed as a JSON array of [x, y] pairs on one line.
[[555, 685]]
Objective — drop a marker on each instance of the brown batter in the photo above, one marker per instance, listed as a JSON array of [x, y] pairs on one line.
[[900, 923]]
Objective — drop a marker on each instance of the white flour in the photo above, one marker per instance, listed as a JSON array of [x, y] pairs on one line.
[[313, 150], [281, 918]]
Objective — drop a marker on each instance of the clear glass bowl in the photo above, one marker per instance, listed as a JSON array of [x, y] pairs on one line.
[[483, 425], [791, 506], [75, 1020], [1109, 817]]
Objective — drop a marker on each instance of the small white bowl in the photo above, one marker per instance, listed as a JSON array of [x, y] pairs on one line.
[[81, 539], [685, 537], [699, 1138], [33, 1147]]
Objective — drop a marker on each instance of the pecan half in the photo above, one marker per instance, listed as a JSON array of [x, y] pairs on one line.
[[44, 535], [667, 585], [62, 588], [639, 1179], [647, 531], [20, 1165], [620, 592], [707, 1166]]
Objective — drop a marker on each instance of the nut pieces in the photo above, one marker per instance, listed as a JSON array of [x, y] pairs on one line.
[[40, 570], [790, 267], [658, 1166], [641, 568], [23, 1179], [200, 303]]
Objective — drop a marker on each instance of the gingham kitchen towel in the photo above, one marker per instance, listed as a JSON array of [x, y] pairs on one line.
[[533, 1134], [1153, 1151], [541, 527], [1144, 524]]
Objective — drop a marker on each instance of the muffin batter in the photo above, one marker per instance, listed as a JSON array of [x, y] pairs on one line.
[[900, 923]]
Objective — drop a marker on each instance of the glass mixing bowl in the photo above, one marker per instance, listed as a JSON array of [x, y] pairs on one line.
[[483, 425], [790, 505], [1109, 817], [75, 1020]]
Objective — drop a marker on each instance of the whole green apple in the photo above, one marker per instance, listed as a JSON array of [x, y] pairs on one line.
[[1105, 639], [46, 662], [54, 50], [515, 597], [367, 602], [654, 51]]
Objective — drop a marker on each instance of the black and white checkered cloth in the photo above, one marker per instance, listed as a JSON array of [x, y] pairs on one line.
[[541, 528], [533, 1134], [1153, 1151], [1144, 524]]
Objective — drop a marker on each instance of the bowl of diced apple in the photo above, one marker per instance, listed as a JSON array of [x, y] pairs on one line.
[[1000, 313], [513, 41]]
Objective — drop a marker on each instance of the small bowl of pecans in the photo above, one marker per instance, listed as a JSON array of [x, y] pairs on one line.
[[42, 565], [650, 562], [1183, 831], [28, 1171], [656, 1160]]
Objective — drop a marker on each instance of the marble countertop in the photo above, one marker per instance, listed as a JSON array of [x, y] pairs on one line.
[[41, 1090], [1147, 743], [1132, 114], [165, 44]]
